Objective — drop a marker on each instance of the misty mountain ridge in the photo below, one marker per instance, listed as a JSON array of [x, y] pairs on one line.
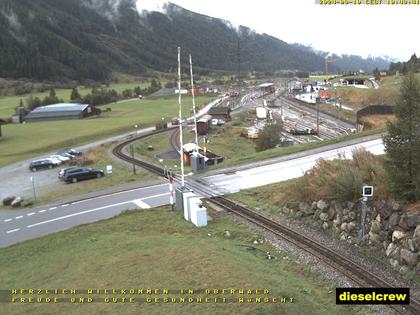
[[89, 39]]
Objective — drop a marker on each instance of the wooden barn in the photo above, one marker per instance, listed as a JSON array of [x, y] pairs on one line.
[[220, 112]]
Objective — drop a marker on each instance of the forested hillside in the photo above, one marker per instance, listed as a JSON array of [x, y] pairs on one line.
[[88, 39]]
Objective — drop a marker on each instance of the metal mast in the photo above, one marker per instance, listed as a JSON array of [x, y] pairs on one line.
[[181, 150], [193, 101]]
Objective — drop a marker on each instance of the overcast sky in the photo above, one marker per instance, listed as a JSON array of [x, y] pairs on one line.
[[377, 30]]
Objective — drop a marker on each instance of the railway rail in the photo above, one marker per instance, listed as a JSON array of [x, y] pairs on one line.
[[359, 275]]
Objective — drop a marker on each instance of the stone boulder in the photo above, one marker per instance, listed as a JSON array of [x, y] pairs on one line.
[[351, 226], [374, 238], [394, 219], [409, 258], [322, 205], [337, 221], [375, 227], [417, 231], [412, 219], [305, 208], [323, 216], [393, 251], [384, 209], [343, 227], [398, 235], [331, 213], [395, 206]]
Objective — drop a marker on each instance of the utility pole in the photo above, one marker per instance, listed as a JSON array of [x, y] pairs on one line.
[[193, 101], [317, 117], [181, 149], [239, 59]]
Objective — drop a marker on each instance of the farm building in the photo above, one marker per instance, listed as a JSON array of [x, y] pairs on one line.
[[220, 112], [62, 111]]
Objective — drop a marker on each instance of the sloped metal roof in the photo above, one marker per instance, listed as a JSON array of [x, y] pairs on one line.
[[61, 107]]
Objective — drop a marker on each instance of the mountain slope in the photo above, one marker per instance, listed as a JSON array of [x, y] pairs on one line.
[[88, 39]]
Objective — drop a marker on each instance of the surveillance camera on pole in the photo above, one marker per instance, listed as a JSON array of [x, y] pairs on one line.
[[367, 192]]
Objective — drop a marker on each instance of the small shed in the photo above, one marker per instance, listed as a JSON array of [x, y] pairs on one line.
[[62, 111], [220, 112], [203, 124]]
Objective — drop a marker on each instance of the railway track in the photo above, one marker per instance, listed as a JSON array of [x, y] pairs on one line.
[[359, 275], [345, 266]]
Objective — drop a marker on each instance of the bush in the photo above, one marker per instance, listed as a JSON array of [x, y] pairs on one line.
[[269, 137], [341, 179]]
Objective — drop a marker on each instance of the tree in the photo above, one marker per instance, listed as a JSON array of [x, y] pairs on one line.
[[75, 96], [269, 137], [402, 143]]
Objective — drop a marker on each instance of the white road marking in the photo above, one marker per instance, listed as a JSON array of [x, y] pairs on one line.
[[7, 220], [78, 213], [29, 214], [12, 231], [141, 204], [117, 193], [66, 205], [52, 208], [41, 211], [154, 196], [19, 217]]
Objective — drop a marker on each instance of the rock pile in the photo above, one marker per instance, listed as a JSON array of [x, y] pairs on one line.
[[388, 226]]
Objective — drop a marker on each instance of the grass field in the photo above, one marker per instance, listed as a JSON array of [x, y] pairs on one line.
[[8, 103], [157, 249], [27, 140]]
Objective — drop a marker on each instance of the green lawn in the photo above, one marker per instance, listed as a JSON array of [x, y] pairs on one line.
[[31, 139], [8, 103], [157, 249]]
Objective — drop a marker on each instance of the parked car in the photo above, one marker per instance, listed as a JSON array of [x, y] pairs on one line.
[[64, 171], [55, 161], [65, 154], [73, 152], [40, 164], [82, 173], [60, 157]]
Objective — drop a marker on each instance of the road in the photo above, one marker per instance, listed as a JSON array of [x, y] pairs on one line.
[[24, 224], [235, 181]]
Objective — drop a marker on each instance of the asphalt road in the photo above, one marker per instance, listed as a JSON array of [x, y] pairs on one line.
[[244, 178], [24, 224]]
